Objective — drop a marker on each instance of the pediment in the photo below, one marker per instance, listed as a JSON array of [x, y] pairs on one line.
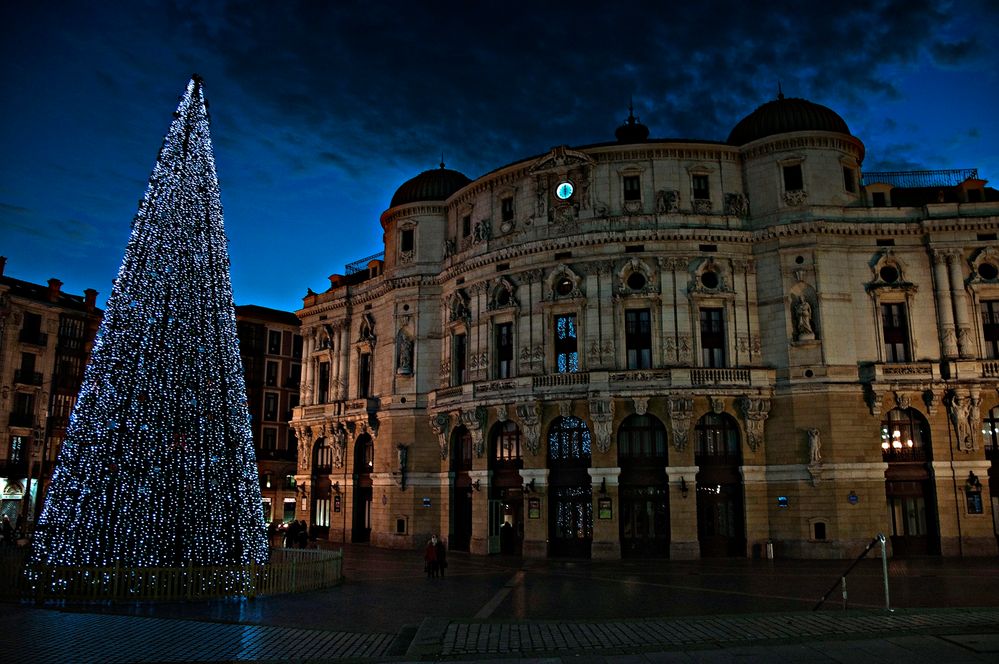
[[560, 158]]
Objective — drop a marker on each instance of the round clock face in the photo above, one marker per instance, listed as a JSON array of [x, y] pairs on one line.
[[564, 190]]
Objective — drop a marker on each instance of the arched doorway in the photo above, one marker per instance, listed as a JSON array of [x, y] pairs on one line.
[[322, 466], [364, 463], [506, 495], [905, 447], [721, 528], [461, 485], [644, 494], [990, 432], [570, 495]]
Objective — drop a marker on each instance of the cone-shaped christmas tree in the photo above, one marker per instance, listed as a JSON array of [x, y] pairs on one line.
[[158, 467]]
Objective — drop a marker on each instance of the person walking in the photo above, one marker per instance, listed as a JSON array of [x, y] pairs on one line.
[[441, 551], [430, 557], [302, 535]]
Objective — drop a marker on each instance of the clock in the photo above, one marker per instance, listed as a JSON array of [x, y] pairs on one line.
[[564, 190]]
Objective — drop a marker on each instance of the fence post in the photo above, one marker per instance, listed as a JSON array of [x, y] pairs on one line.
[[190, 579], [884, 568], [843, 579], [116, 579]]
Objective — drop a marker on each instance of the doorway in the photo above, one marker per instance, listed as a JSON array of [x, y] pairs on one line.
[[570, 496], [364, 461]]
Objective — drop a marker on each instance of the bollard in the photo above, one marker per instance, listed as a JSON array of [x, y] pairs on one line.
[[884, 568]]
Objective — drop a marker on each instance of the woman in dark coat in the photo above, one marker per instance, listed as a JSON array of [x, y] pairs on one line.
[[430, 557], [441, 550]]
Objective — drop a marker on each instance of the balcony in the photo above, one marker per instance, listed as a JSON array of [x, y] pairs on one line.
[[23, 420], [23, 377], [562, 379], [33, 337], [905, 454], [362, 405], [894, 371]]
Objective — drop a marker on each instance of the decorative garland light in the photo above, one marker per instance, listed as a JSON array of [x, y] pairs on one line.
[[158, 466]]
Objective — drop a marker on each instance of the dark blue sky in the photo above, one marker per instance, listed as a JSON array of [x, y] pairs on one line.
[[320, 110]]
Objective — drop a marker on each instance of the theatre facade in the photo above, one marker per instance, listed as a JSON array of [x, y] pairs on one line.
[[664, 348]]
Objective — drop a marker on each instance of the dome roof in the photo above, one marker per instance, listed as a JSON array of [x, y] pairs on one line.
[[434, 185], [784, 115], [632, 131]]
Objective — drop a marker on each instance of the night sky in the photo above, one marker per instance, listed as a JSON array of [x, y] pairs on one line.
[[320, 110]]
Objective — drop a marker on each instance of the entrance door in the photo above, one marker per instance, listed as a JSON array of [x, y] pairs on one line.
[[362, 515], [909, 531], [461, 484], [495, 523], [571, 521], [461, 530], [905, 446], [719, 520], [644, 521]]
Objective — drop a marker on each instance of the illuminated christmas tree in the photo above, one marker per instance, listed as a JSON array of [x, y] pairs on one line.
[[158, 468]]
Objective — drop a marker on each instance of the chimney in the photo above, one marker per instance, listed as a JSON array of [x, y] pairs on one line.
[[3, 264], [54, 286], [90, 298]]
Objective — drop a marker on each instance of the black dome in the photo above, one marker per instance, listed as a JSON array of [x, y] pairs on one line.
[[632, 131], [433, 185], [784, 115]]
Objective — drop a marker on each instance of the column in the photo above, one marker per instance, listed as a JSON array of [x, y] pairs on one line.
[[683, 541], [945, 311], [342, 360], [307, 387], [960, 298]]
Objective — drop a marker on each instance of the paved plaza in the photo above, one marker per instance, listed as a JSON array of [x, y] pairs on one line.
[[580, 611]]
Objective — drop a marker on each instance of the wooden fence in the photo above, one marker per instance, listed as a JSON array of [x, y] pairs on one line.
[[288, 571]]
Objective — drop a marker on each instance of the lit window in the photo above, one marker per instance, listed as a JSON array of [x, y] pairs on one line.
[[895, 328], [712, 338], [566, 355]]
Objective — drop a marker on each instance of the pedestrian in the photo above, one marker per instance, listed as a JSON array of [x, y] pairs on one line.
[[441, 550], [7, 531], [303, 534], [430, 557], [290, 534]]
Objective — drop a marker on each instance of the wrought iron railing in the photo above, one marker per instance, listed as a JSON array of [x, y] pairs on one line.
[[909, 179], [362, 264]]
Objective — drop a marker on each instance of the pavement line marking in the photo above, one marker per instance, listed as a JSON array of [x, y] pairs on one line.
[[493, 604]]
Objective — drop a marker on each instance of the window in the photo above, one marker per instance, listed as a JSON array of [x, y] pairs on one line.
[[466, 225], [15, 454], [364, 455], [23, 414], [292, 440], [296, 346], [903, 436], [364, 375], [717, 440], [792, 178], [896, 332], [990, 328], [289, 509], [272, 374], [638, 338], [699, 184], [294, 375], [506, 209], [458, 352], [324, 382], [269, 441], [878, 199], [712, 338], [507, 445], [990, 433], [70, 333], [406, 241], [642, 437], [568, 441], [504, 350], [632, 188], [461, 450], [274, 342], [566, 355], [270, 406], [323, 457], [849, 181], [62, 405]]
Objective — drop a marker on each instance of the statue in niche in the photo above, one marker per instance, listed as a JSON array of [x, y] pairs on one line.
[[814, 447], [803, 320], [405, 353]]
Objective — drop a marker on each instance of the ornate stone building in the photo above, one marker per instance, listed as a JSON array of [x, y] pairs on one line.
[[670, 348], [45, 341]]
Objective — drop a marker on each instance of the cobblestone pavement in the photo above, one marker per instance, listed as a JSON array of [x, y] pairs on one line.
[[52, 636], [548, 610]]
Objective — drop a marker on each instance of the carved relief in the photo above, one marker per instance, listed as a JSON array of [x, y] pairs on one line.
[[406, 257], [755, 411], [602, 415], [701, 206], [339, 440], [681, 410], [903, 401], [440, 423], [529, 415], [404, 354], [667, 201], [641, 405], [795, 197], [501, 413], [736, 205], [475, 421], [717, 405], [960, 408], [532, 355]]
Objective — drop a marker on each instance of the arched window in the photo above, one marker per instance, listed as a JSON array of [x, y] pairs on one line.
[[506, 444], [569, 441], [990, 432], [364, 455], [642, 437], [717, 440], [322, 459], [904, 436]]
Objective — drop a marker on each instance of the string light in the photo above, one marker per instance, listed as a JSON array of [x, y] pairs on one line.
[[158, 466]]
